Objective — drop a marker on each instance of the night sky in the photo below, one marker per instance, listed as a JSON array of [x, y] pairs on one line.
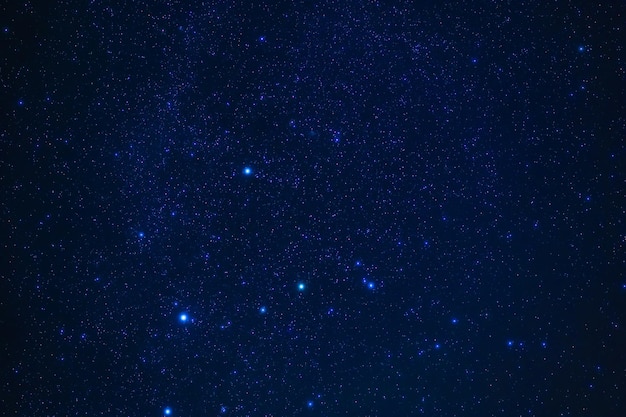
[[335, 208]]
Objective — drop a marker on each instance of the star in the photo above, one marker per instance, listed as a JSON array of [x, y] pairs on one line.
[[183, 317], [167, 411], [247, 171], [301, 286]]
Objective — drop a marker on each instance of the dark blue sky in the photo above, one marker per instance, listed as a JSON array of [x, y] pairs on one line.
[[312, 208]]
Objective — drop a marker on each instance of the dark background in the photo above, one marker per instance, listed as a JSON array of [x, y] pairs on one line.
[[446, 180]]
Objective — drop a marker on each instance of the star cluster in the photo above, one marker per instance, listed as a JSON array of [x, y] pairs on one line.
[[312, 208]]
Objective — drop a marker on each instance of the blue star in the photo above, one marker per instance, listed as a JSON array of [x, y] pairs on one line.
[[183, 317], [247, 171], [301, 286], [309, 404], [141, 235], [263, 310], [167, 411], [581, 48], [455, 321], [509, 343]]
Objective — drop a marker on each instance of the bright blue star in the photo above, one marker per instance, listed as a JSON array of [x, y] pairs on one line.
[[167, 411], [309, 404], [371, 285], [455, 321], [301, 286], [141, 235], [183, 317], [247, 171], [509, 343], [262, 310], [223, 409], [581, 48]]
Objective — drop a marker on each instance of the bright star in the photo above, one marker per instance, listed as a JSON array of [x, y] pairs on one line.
[[167, 411], [247, 171], [301, 286], [183, 317]]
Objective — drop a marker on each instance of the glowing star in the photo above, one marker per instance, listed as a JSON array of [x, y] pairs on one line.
[[263, 310], [167, 411], [301, 286], [183, 318], [247, 171]]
